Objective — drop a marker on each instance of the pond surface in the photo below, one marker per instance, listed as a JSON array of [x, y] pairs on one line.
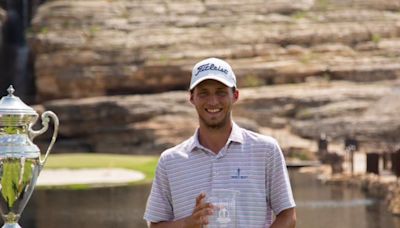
[[329, 206], [318, 206]]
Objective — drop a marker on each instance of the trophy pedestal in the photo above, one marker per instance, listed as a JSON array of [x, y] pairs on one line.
[[11, 225]]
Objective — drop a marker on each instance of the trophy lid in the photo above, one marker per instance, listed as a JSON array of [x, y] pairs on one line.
[[11, 105], [14, 112]]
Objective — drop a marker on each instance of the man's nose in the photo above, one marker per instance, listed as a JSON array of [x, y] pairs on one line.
[[213, 100]]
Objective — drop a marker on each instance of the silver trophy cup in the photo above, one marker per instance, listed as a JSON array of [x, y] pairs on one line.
[[20, 160]]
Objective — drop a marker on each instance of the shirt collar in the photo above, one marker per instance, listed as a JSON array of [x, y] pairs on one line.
[[235, 136]]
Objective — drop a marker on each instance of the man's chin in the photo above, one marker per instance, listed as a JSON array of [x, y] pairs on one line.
[[215, 125]]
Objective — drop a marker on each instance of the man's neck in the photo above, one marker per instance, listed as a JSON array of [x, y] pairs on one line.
[[214, 139]]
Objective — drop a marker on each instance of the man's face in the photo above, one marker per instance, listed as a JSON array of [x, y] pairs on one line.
[[213, 102]]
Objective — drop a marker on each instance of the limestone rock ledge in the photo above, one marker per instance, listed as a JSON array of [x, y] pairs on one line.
[[295, 114], [87, 48]]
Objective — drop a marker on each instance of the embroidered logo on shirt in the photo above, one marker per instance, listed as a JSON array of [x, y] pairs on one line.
[[238, 175]]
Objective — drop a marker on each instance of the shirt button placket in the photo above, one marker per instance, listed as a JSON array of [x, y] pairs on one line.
[[214, 173]]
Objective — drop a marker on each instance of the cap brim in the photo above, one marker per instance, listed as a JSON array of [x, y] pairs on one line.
[[212, 77]]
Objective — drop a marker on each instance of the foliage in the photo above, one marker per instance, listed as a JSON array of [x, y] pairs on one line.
[[300, 154], [300, 15], [322, 4], [251, 80], [376, 38]]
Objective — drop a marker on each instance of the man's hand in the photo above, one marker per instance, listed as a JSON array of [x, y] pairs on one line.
[[200, 213], [198, 218]]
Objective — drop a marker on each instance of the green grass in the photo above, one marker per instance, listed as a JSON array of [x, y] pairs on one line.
[[141, 163]]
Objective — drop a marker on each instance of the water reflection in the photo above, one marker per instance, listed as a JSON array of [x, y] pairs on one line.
[[331, 206], [334, 203]]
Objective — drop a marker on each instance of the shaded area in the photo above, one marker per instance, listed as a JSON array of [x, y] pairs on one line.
[[337, 206], [16, 58]]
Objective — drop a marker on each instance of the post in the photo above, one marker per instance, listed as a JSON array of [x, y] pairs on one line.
[[396, 163], [373, 163], [322, 145], [351, 145]]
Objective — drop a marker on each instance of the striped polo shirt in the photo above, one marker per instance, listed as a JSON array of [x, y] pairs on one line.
[[249, 163]]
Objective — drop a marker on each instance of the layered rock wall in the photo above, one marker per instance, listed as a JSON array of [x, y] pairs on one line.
[[93, 49], [148, 124], [87, 48]]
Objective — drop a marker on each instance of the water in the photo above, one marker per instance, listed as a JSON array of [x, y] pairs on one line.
[[330, 206], [319, 206]]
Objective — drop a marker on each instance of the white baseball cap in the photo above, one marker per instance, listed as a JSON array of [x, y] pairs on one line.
[[213, 68]]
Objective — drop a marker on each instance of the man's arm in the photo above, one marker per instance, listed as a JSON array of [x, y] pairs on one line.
[[177, 224], [198, 218], [285, 219]]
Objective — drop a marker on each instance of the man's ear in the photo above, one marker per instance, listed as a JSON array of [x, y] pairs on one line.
[[191, 97], [236, 95]]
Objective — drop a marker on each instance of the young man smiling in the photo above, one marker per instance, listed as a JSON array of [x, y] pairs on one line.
[[220, 155]]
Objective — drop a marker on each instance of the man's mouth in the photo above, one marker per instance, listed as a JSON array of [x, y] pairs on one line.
[[213, 110]]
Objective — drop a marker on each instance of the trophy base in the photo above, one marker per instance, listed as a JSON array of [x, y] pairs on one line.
[[11, 225]]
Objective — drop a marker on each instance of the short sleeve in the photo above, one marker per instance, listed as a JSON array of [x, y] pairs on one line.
[[279, 194], [159, 206]]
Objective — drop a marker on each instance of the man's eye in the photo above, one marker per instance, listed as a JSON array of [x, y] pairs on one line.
[[221, 93]]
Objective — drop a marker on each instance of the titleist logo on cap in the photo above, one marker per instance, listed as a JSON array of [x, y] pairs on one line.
[[211, 66]]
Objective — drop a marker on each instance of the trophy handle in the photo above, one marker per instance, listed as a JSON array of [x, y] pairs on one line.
[[45, 122]]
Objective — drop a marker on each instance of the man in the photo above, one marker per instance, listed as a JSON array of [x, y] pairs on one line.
[[220, 155]]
